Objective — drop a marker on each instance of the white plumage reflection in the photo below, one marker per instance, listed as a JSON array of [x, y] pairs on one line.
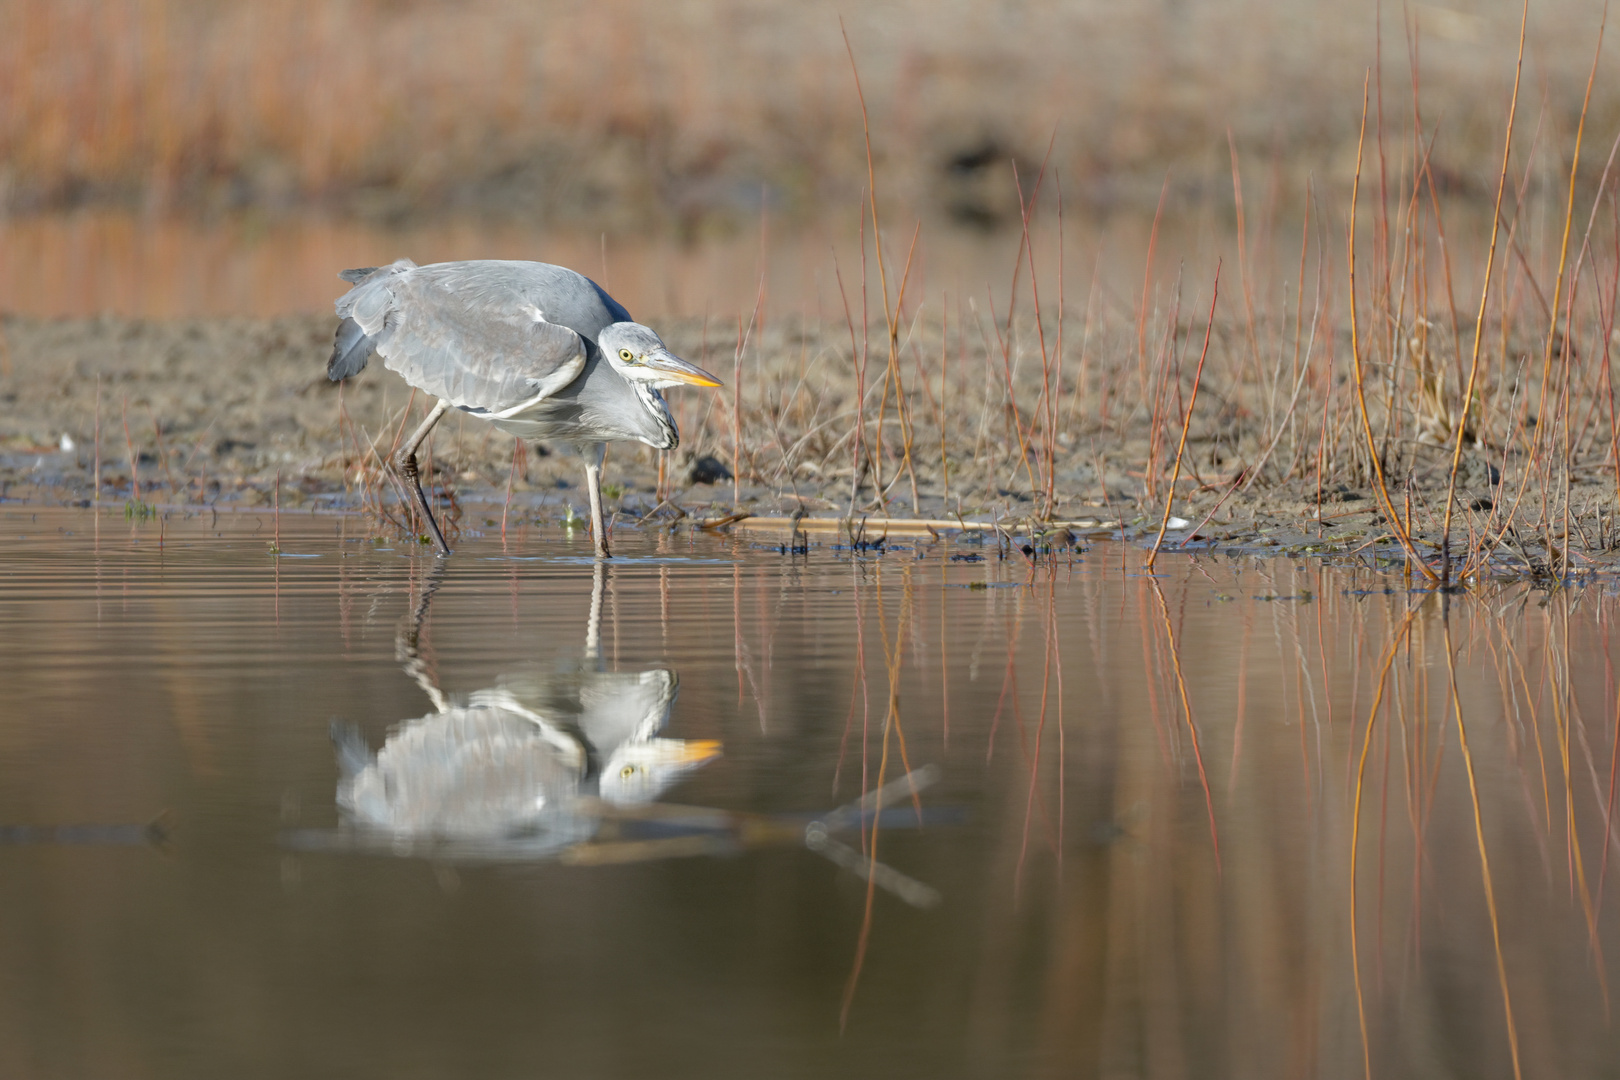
[[569, 765], [506, 763], [530, 764]]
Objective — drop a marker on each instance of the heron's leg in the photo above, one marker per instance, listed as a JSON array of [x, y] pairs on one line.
[[408, 640], [593, 484], [405, 462], [593, 625]]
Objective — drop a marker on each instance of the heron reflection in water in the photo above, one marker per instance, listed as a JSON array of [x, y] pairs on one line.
[[519, 769], [566, 765]]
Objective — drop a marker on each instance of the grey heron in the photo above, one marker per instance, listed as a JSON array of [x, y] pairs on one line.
[[538, 350]]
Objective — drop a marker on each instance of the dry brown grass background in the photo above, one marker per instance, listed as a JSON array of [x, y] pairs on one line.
[[678, 112]]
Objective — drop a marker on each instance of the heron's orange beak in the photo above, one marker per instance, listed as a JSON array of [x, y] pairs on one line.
[[673, 368], [698, 751]]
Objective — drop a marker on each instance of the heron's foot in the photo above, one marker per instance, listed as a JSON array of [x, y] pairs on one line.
[[405, 465], [436, 533]]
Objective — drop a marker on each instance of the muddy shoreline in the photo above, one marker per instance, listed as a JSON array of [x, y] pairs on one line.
[[238, 413]]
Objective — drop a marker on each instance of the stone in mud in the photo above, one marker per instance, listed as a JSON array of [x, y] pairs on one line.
[[708, 469]]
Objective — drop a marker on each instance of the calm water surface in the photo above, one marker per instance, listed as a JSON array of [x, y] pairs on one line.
[[1143, 838], [87, 264]]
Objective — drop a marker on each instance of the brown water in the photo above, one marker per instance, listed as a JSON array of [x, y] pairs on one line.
[[1140, 839], [88, 264], [77, 265]]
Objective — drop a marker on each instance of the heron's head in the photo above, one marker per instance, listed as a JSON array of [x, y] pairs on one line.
[[640, 355], [639, 772]]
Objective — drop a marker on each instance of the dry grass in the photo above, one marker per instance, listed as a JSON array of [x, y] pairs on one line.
[[679, 113]]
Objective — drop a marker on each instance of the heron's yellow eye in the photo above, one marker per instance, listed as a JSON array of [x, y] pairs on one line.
[[626, 355], [629, 770]]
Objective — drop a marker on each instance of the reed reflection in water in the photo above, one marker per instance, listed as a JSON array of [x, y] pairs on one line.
[[1248, 818], [563, 764]]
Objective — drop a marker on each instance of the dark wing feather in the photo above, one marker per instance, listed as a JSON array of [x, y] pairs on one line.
[[350, 351]]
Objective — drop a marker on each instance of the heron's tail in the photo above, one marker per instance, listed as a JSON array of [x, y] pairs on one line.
[[353, 754], [350, 351], [365, 311]]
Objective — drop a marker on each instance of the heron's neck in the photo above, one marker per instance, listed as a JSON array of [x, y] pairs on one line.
[[658, 409]]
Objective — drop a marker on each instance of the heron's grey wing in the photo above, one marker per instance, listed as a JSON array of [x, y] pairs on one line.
[[463, 772], [529, 698], [566, 297], [621, 707], [457, 336]]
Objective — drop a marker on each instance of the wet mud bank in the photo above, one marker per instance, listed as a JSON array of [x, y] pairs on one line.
[[238, 413]]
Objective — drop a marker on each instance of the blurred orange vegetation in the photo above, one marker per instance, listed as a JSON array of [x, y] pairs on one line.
[[682, 110]]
